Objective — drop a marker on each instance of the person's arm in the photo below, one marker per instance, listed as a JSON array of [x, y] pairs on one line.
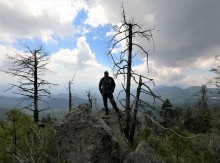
[[100, 86], [113, 85]]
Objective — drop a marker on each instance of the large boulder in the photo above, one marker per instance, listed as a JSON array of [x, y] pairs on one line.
[[143, 154], [83, 137]]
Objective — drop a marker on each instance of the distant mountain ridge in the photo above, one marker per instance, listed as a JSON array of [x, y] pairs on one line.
[[178, 96], [190, 96], [56, 102]]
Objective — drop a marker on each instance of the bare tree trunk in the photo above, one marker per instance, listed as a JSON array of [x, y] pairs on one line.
[[134, 122], [90, 98], [36, 111], [204, 97], [70, 93], [128, 83], [70, 96]]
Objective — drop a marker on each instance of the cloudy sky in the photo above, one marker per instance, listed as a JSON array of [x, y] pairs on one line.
[[77, 35]]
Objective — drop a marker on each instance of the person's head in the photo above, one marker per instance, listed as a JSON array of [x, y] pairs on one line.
[[106, 74]]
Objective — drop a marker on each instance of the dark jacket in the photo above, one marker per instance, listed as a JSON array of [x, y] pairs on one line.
[[102, 85]]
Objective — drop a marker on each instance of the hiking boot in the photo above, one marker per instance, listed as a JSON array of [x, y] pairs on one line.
[[106, 112]]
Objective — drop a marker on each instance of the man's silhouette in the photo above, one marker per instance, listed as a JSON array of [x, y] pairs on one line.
[[106, 88]]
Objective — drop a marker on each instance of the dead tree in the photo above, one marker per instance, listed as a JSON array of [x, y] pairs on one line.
[[216, 69], [91, 99], [204, 98], [70, 93], [29, 67], [127, 32]]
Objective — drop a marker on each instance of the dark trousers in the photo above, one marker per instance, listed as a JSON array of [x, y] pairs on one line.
[[111, 98]]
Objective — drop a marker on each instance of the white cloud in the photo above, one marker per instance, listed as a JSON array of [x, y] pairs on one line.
[[5, 79], [96, 16], [204, 63], [42, 19], [110, 34], [79, 61], [167, 75], [81, 30], [78, 58], [95, 37], [3, 53], [104, 12]]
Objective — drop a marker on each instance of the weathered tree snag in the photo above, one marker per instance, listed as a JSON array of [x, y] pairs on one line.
[[29, 66], [70, 94], [134, 122], [128, 83], [123, 66]]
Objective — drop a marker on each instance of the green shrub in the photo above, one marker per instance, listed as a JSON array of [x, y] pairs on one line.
[[21, 138]]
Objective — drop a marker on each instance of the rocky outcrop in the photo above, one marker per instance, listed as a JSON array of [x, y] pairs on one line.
[[143, 154], [116, 125], [83, 137], [86, 136]]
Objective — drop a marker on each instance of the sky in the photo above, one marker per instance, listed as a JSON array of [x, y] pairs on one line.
[[77, 34]]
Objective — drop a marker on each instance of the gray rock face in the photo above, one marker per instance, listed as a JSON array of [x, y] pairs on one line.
[[83, 137], [143, 154]]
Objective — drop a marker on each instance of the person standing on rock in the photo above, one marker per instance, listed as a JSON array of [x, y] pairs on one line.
[[106, 88]]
